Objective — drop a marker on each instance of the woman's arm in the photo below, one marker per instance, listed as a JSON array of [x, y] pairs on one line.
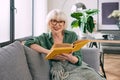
[[39, 49]]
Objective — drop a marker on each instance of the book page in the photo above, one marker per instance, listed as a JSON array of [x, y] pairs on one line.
[[58, 51], [79, 44], [81, 41], [62, 45]]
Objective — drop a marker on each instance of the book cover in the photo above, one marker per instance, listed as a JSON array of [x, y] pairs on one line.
[[66, 48]]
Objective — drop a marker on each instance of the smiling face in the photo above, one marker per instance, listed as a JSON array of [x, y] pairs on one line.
[[56, 21], [57, 26]]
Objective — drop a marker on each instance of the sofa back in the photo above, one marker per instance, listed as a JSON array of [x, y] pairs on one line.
[[39, 67], [92, 57], [13, 63], [18, 62]]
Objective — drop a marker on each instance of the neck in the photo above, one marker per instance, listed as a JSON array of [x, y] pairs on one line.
[[57, 35], [58, 38]]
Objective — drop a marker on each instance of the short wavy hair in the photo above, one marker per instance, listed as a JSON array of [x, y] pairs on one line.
[[57, 15]]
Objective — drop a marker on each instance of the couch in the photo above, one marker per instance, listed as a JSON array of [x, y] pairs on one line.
[[18, 62]]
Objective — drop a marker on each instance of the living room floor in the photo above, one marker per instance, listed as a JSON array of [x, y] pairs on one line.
[[112, 66]]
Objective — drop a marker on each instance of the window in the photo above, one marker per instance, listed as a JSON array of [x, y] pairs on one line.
[[16, 20], [23, 18], [4, 20]]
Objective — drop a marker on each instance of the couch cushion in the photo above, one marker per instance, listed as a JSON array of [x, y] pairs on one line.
[[38, 66], [92, 57], [13, 65]]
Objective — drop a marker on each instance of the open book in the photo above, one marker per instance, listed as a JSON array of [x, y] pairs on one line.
[[66, 48]]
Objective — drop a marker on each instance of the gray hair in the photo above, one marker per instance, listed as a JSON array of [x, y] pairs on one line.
[[57, 15]]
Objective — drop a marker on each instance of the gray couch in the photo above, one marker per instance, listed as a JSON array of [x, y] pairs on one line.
[[18, 62]]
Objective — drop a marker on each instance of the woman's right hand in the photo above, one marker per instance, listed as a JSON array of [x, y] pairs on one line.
[[68, 57], [59, 57]]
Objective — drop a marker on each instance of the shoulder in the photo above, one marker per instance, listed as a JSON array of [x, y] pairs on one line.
[[71, 35]]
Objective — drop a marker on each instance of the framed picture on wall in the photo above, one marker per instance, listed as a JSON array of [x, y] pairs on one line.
[[106, 7]]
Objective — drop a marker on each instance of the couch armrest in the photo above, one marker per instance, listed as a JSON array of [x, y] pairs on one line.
[[92, 57]]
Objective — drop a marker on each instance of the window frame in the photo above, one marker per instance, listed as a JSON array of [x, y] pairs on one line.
[[12, 25]]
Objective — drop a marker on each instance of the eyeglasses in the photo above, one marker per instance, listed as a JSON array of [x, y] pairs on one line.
[[54, 22]]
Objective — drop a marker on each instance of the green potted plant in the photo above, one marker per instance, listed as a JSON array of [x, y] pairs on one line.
[[84, 20]]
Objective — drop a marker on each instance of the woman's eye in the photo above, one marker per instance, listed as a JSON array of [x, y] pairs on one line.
[[54, 21]]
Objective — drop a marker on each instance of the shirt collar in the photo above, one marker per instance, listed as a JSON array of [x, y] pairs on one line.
[[50, 34]]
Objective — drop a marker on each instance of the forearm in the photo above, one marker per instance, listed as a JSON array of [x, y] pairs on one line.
[[39, 49]]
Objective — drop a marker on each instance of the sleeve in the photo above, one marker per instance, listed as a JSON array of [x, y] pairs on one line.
[[40, 40], [77, 53], [79, 56], [34, 40], [74, 37]]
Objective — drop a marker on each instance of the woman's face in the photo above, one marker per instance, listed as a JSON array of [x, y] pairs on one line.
[[57, 26]]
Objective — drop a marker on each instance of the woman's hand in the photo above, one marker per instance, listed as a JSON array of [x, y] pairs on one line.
[[68, 57], [59, 57]]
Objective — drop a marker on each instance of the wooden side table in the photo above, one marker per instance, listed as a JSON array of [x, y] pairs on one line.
[[102, 54]]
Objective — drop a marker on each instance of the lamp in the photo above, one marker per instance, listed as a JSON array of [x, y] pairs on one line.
[[78, 7]]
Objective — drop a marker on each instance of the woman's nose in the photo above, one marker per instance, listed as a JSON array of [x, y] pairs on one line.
[[57, 24]]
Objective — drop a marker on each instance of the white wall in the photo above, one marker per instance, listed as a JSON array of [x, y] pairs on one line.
[[4, 20], [66, 5], [40, 12]]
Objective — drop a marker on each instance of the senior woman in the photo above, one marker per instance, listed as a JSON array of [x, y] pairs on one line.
[[64, 66]]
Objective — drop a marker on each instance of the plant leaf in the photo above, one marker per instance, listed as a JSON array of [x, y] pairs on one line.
[[76, 15], [85, 28], [91, 12], [75, 24], [79, 23], [89, 29], [90, 24], [84, 20]]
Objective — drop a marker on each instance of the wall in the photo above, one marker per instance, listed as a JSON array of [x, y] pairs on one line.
[[66, 5], [40, 12]]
